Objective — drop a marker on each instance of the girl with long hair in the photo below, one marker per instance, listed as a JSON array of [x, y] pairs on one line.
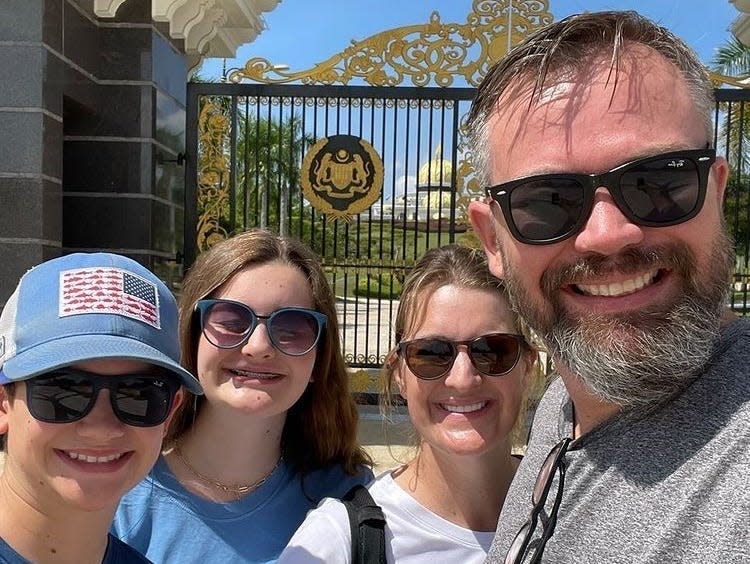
[[276, 430]]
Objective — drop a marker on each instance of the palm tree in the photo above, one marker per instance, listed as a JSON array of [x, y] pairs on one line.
[[269, 155], [732, 61]]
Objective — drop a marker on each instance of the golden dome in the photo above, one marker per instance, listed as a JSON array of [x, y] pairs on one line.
[[435, 173]]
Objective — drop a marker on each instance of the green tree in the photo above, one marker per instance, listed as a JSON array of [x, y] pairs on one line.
[[733, 60], [269, 157]]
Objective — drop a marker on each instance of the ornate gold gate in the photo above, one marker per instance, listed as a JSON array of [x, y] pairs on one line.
[[252, 139]]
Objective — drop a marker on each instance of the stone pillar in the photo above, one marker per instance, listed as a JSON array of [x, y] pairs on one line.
[[92, 119], [122, 187], [31, 133]]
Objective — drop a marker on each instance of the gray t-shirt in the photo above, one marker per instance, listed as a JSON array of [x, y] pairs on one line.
[[672, 485]]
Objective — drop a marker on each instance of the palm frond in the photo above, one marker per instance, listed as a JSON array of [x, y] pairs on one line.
[[732, 58]]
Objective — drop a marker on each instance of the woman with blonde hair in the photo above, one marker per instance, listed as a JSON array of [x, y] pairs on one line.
[[462, 365], [276, 430]]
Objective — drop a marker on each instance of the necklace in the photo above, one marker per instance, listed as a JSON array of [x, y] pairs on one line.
[[238, 490]]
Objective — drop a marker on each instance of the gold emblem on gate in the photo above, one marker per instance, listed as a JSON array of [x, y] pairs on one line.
[[342, 176]]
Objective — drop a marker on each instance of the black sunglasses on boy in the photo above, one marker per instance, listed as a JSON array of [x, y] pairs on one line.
[[654, 191], [67, 394]]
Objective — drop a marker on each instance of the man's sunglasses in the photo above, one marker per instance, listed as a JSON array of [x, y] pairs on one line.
[[67, 394], [655, 191], [227, 324], [553, 464], [494, 354]]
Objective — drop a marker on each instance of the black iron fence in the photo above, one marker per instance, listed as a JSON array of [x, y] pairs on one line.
[[251, 141], [732, 140]]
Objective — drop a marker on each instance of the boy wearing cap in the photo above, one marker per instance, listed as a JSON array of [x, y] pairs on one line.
[[90, 374]]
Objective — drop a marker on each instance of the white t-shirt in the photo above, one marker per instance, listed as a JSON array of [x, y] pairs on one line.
[[413, 533]]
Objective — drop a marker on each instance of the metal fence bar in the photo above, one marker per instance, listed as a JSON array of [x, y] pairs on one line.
[[271, 128]]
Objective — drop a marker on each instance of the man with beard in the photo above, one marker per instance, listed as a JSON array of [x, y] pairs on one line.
[[604, 217]]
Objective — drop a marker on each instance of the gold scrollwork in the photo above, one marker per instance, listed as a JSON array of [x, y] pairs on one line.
[[372, 359], [467, 190], [423, 53], [213, 174], [364, 380], [739, 81]]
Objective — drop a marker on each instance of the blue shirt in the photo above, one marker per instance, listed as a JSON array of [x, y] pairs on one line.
[[168, 523]]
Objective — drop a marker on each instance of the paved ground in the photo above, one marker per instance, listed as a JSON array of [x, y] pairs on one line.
[[367, 328], [389, 445]]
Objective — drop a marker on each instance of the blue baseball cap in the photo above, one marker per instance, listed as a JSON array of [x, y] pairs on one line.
[[89, 306]]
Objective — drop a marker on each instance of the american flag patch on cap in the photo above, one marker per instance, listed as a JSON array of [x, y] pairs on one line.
[[109, 290]]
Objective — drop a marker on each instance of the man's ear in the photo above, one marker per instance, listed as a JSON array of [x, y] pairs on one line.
[[719, 173], [483, 221]]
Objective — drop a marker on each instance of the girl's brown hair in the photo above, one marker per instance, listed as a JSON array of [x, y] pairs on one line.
[[321, 428]]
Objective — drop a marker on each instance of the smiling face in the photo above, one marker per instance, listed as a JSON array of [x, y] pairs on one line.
[[85, 465], [631, 310], [463, 412], [255, 378]]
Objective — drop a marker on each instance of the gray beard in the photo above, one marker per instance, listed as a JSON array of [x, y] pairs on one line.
[[637, 359]]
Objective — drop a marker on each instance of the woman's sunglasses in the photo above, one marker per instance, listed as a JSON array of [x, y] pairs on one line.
[[227, 324], [66, 395], [655, 191], [494, 354]]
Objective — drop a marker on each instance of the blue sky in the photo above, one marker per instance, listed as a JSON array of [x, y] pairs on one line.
[[301, 33]]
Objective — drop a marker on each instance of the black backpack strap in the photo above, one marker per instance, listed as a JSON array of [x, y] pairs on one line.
[[367, 524]]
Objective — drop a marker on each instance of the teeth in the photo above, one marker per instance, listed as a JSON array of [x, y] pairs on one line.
[[619, 288], [93, 459], [258, 375], [463, 408]]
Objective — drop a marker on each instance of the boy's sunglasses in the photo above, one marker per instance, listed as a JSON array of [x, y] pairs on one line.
[[67, 394], [494, 354], [292, 330], [655, 191]]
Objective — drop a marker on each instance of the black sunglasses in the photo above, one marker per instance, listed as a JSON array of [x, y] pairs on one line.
[[656, 191], [67, 394], [554, 463], [292, 330], [494, 354]]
